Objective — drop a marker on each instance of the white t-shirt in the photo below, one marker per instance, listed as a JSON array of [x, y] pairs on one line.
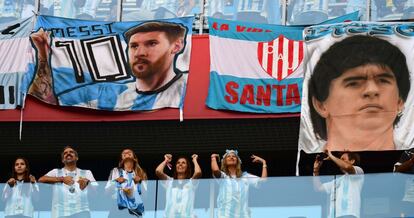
[[345, 194], [70, 199]]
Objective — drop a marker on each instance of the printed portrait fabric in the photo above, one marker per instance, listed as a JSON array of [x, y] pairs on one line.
[[356, 91], [16, 57], [91, 64], [257, 68]]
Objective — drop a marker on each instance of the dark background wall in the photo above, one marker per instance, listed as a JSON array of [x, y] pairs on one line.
[[100, 143]]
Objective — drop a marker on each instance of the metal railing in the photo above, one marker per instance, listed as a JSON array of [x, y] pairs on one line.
[[369, 195]]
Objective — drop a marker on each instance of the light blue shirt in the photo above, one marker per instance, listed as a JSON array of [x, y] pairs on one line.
[[19, 199], [180, 197], [66, 202], [232, 200]]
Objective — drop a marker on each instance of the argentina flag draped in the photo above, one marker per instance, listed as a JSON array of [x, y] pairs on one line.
[[115, 66], [255, 67], [16, 58]]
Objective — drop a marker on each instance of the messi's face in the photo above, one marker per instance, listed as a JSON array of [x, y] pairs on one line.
[[150, 53]]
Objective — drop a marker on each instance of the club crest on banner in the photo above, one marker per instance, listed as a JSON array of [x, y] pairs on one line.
[[280, 57]]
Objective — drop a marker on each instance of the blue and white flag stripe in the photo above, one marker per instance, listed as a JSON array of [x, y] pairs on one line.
[[240, 79], [16, 57]]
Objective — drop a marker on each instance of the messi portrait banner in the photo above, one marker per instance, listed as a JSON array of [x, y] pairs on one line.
[[257, 68], [357, 91], [16, 58], [117, 66]]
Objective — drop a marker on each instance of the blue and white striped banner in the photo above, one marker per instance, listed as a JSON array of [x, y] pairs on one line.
[[16, 58], [91, 62]]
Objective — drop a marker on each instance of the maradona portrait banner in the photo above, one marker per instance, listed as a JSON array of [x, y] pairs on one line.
[[16, 57], [257, 67], [356, 91], [110, 65]]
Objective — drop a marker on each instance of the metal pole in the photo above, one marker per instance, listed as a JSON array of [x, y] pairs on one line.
[[37, 7], [212, 198], [284, 10], [202, 7], [119, 10]]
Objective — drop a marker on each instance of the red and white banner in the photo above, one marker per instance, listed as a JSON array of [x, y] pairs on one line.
[[280, 57]]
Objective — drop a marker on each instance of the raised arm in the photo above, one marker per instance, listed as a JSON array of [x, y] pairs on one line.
[[344, 166], [214, 166], [159, 171], [257, 159], [317, 185], [197, 168], [405, 166], [42, 85]]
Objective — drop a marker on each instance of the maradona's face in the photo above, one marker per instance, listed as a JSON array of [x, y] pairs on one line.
[[367, 94]]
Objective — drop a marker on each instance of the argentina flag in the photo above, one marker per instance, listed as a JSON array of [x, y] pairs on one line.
[[16, 58], [119, 66], [255, 67]]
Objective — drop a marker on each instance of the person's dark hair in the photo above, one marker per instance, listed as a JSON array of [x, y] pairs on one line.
[[66, 147], [26, 175], [353, 156], [349, 53], [188, 170], [173, 31]]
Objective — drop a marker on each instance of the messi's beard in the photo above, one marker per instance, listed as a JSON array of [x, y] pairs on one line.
[[152, 68]]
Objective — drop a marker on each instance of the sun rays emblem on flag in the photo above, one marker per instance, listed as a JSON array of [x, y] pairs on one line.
[[280, 57]]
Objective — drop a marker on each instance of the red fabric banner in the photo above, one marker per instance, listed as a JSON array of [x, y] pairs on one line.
[[197, 90]]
